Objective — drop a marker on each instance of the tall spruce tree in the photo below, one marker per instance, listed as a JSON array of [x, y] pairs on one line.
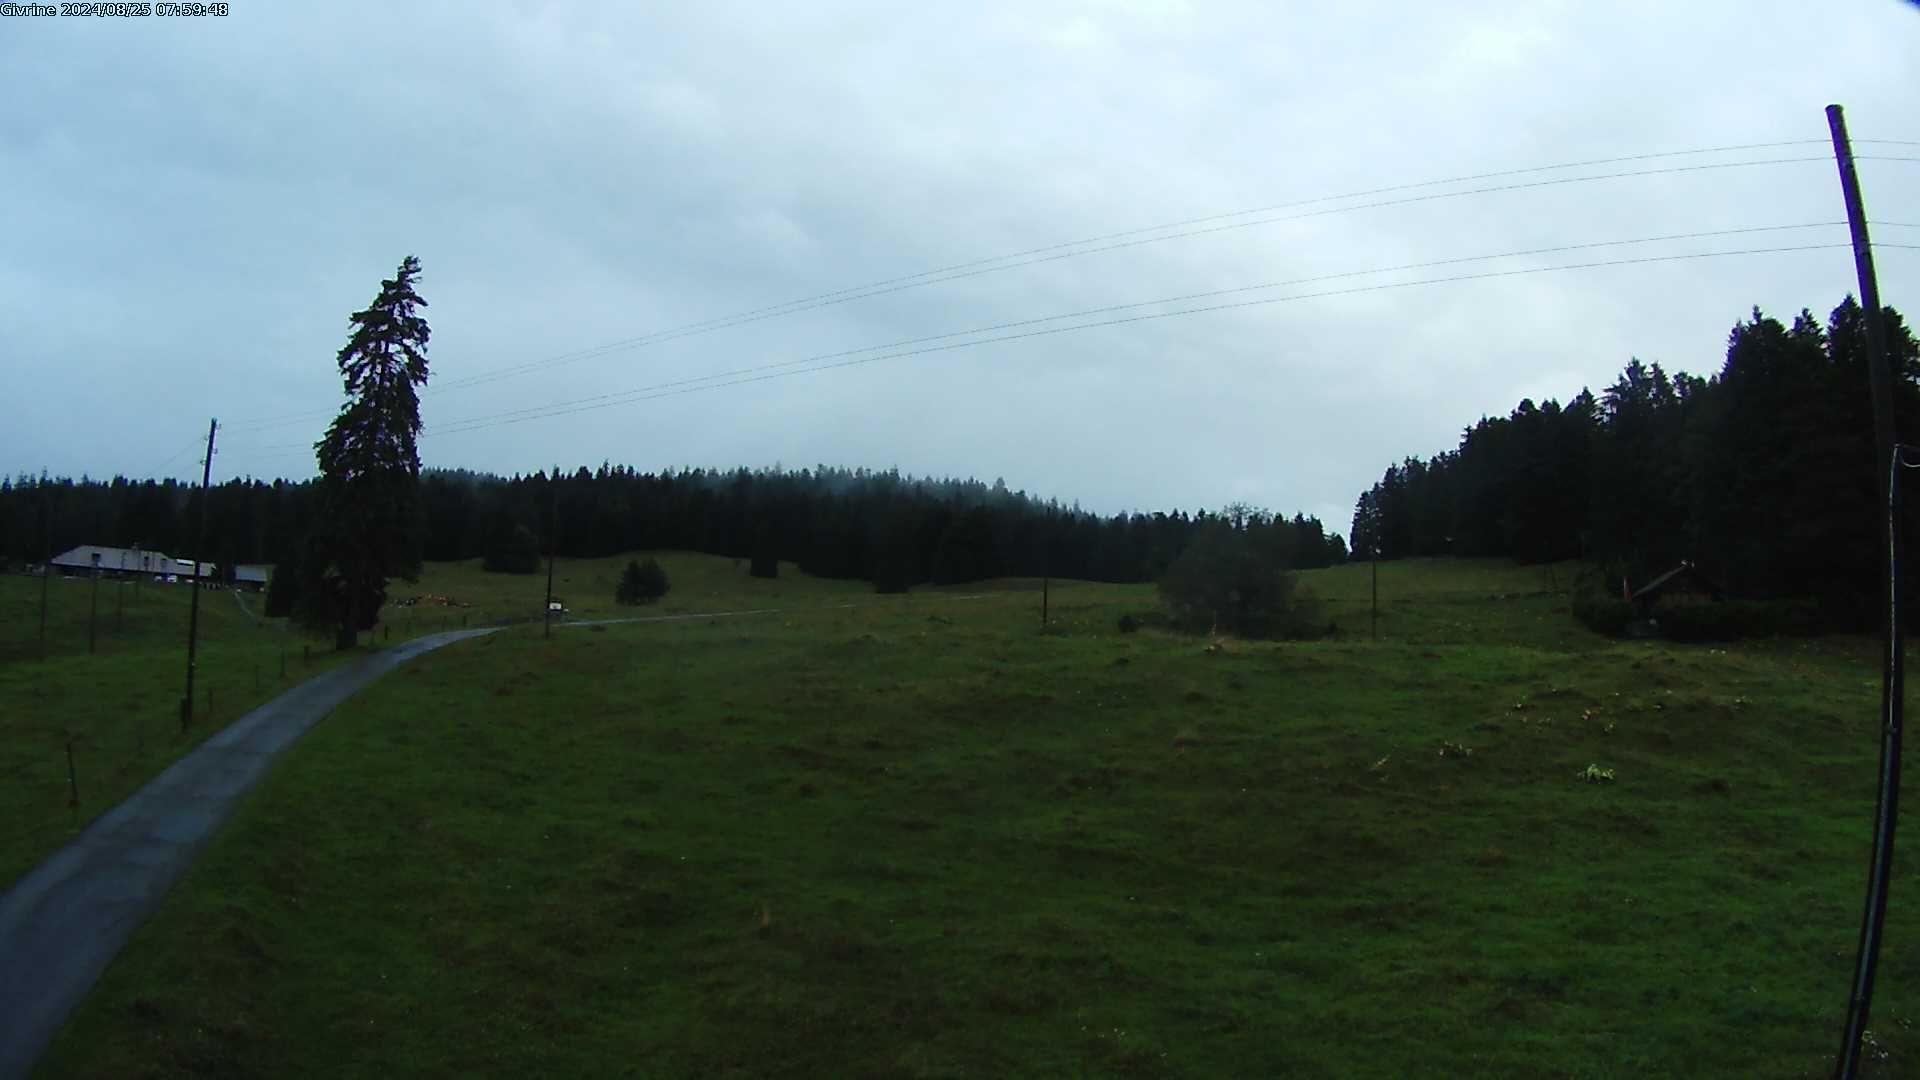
[[370, 462]]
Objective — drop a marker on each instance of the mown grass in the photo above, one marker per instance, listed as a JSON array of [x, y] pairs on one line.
[[920, 837]]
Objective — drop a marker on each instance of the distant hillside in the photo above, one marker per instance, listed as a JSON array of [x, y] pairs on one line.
[[833, 522]]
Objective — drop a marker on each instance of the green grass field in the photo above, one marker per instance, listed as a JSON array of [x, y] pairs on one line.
[[919, 837], [699, 583], [119, 701]]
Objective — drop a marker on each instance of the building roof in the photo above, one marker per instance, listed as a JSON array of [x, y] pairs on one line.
[[87, 556]]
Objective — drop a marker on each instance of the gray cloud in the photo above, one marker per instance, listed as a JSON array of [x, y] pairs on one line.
[[193, 207]]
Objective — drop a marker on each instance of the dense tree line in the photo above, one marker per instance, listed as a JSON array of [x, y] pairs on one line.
[[833, 522], [1761, 475], [247, 521]]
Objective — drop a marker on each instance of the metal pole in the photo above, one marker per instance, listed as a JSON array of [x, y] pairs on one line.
[[1886, 438], [193, 604], [1373, 620]]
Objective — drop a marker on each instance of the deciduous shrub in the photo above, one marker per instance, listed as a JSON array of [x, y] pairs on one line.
[[1599, 611], [1223, 581], [1731, 620]]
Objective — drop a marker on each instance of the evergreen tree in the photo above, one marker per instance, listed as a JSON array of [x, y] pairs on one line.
[[966, 550], [1762, 476], [765, 562], [841, 523], [370, 462], [631, 585], [896, 565], [1366, 524], [511, 549], [653, 582], [283, 589]]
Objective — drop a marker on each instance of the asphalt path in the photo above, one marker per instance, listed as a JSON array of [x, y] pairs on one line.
[[65, 921]]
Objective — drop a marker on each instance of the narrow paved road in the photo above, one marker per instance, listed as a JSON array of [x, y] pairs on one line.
[[63, 923], [66, 920]]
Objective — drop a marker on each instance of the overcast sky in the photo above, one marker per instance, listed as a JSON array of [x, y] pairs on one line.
[[192, 207]]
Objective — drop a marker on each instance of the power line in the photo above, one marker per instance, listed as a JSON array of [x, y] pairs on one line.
[[160, 469], [1053, 254], [732, 378], [1112, 242], [604, 401], [980, 266], [1194, 296], [754, 375], [1047, 248], [171, 458]]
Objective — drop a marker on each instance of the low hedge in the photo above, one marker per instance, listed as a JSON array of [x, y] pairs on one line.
[[1730, 620], [1601, 613]]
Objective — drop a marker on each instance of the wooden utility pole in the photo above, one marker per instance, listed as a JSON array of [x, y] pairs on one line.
[[193, 604], [1373, 617], [1046, 566], [93, 606], [46, 565], [1886, 475], [553, 544]]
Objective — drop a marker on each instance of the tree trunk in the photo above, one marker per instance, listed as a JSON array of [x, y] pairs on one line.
[[348, 636]]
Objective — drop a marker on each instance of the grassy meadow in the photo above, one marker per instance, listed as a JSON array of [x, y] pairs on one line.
[[699, 583], [119, 700], [920, 836]]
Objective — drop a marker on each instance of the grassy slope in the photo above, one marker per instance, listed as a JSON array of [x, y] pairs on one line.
[[698, 583], [916, 837], [120, 703]]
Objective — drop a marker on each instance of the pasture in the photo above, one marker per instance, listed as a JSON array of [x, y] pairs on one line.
[[919, 836], [118, 701]]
